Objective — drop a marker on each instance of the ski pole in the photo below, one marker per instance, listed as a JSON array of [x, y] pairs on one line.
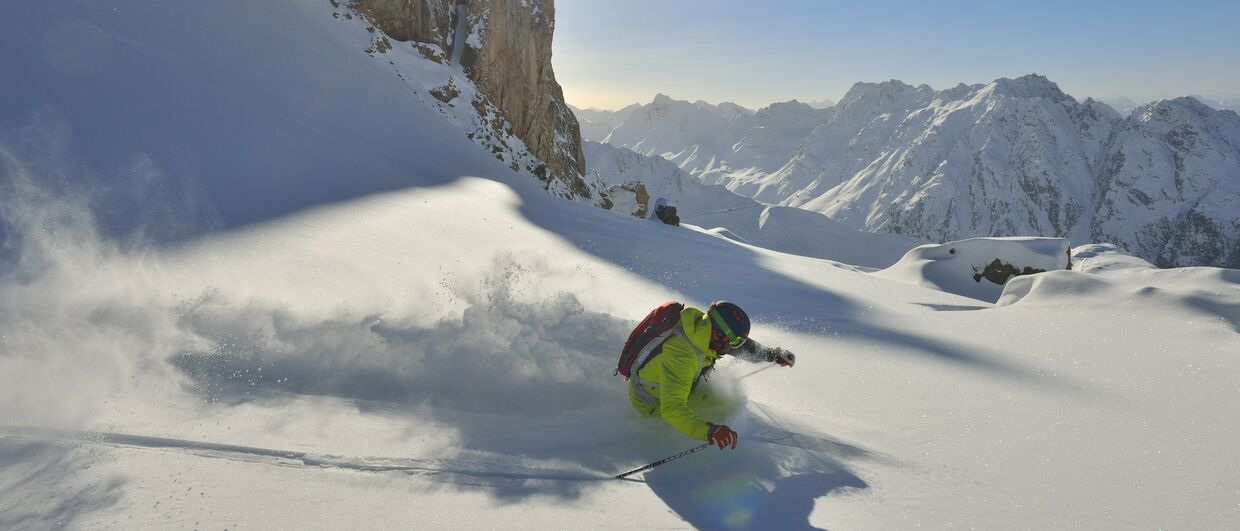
[[661, 461], [756, 371]]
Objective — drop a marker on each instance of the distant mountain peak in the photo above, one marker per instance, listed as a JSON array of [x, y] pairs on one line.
[[733, 108], [1186, 109], [891, 91], [820, 104], [1188, 103], [1224, 103], [1028, 86], [882, 86], [789, 105]]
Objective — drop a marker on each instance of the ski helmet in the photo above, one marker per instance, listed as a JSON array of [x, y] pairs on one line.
[[731, 325]]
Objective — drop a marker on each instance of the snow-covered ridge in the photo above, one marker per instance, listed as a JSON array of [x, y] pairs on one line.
[[705, 139], [1223, 104]]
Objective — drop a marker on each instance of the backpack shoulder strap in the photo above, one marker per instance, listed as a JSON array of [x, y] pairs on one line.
[[642, 388], [680, 331]]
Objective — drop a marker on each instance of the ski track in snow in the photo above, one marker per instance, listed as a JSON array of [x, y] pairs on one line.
[[454, 470], [443, 469]]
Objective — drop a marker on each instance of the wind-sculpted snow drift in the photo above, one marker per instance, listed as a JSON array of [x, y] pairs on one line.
[[1121, 283], [979, 267]]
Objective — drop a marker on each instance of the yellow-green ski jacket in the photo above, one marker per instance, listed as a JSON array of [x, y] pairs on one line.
[[663, 385]]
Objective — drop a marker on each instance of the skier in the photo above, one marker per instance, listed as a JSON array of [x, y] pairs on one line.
[[667, 383]]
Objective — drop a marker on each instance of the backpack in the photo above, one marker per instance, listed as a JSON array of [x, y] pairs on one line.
[[647, 336]]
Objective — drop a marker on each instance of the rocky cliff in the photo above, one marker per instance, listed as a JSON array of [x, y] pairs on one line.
[[507, 54]]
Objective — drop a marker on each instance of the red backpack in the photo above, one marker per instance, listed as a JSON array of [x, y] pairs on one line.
[[649, 334]]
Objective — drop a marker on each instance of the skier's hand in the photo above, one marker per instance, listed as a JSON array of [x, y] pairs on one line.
[[786, 359], [722, 436], [782, 357]]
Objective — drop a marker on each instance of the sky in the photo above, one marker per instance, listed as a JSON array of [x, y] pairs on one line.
[[610, 53]]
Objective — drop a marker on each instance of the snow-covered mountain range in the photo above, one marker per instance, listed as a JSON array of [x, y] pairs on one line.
[[1008, 158], [705, 139], [1125, 105]]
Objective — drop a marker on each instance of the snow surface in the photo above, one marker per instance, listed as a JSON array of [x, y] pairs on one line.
[[435, 351], [1095, 257]]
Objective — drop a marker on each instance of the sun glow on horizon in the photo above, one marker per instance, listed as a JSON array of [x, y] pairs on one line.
[[611, 54]]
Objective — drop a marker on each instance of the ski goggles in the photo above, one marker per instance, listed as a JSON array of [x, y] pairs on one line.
[[734, 341]]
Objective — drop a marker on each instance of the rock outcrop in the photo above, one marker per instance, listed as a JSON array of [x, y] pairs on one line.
[[630, 198], [507, 55]]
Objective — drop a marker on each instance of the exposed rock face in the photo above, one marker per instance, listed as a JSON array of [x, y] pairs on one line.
[[508, 56], [667, 214], [514, 69], [630, 198], [410, 20], [998, 272]]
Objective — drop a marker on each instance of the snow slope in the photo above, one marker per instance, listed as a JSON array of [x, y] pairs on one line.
[[439, 355], [254, 111], [784, 229], [343, 334]]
